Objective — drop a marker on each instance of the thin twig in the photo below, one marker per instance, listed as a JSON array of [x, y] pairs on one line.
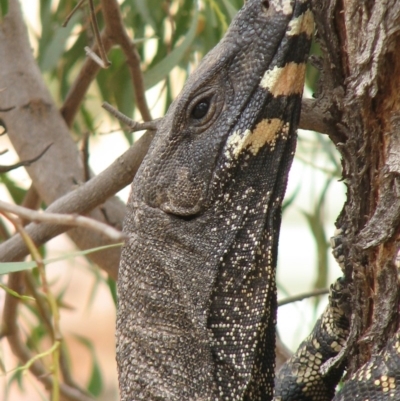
[[131, 124], [54, 351], [42, 307], [82, 82], [5, 169], [83, 199], [85, 156], [21, 351], [5, 109], [95, 26], [300, 297], [62, 219], [90, 53], [117, 32], [74, 10]]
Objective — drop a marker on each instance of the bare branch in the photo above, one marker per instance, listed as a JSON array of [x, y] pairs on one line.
[[114, 34], [91, 54], [313, 118], [300, 297], [83, 199], [5, 169], [21, 351], [116, 31], [42, 307], [5, 109], [103, 54], [62, 219], [36, 121], [82, 82], [131, 124], [85, 156], [11, 330], [74, 10]]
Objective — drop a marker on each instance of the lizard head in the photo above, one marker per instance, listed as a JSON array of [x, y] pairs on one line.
[[222, 113]]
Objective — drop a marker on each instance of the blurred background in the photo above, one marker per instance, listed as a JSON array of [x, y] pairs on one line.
[[171, 37]]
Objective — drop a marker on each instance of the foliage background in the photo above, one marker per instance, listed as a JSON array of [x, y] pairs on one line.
[[171, 36]]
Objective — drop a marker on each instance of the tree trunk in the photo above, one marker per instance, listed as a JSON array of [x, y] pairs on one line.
[[360, 71]]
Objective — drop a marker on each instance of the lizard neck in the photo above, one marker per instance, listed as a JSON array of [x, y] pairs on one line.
[[207, 285]]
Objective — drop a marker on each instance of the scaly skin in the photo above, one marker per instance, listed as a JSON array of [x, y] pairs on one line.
[[197, 297]]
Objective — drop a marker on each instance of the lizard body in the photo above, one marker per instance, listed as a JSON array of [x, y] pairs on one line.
[[197, 296]]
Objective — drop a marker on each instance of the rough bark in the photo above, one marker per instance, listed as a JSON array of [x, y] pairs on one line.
[[359, 89]]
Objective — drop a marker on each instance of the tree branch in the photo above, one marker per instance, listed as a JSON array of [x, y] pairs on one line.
[[62, 219], [131, 124], [90, 195], [35, 120], [5, 169], [116, 31], [300, 297], [83, 199], [21, 351], [314, 118], [82, 82], [95, 27]]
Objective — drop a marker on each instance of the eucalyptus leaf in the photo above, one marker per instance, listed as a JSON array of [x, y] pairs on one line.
[[230, 8], [55, 48], [3, 8], [12, 267], [164, 67], [95, 385], [143, 8]]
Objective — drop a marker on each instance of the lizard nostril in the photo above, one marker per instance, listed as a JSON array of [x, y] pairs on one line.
[[265, 4]]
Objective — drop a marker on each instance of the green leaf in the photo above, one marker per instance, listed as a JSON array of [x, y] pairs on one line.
[[3, 8], [55, 48], [15, 294], [164, 67], [95, 385], [230, 8], [113, 289], [143, 8], [17, 193], [11, 267]]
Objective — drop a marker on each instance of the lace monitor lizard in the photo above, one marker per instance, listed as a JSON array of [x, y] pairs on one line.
[[197, 296]]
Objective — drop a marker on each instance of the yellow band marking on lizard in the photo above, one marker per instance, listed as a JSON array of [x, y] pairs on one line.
[[266, 132], [287, 80], [302, 24]]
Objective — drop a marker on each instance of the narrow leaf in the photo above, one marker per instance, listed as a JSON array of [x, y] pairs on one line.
[[113, 289], [230, 8], [95, 386], [3, 8], [56, 47], [164, 67], [11, 267], [15, 294]]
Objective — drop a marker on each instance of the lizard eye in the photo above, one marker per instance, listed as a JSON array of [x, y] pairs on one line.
[[200, 109], [204, 109], [265, 4]]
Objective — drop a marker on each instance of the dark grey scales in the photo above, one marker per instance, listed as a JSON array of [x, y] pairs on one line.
[[197, 296]]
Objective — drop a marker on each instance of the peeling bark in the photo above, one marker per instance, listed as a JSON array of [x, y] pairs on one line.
[[360, 86]]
